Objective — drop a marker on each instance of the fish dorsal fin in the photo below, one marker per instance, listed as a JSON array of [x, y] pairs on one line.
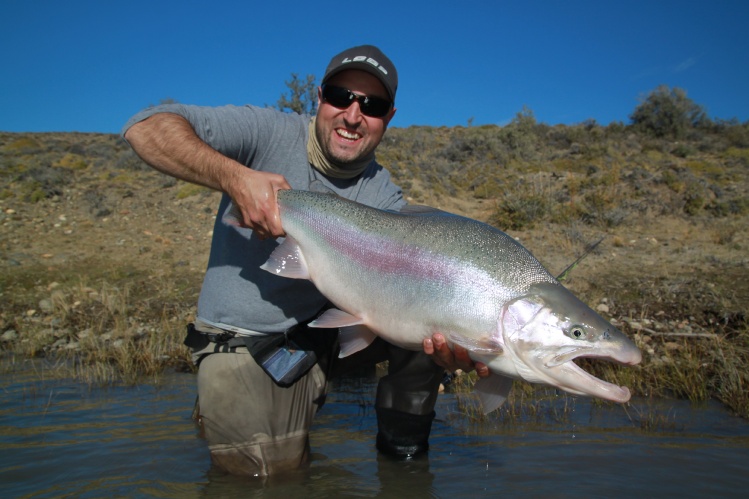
[[354, 339], [287, 260], [492, 391], [335, 318]]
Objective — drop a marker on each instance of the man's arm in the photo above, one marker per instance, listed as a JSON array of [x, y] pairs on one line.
[[169, 144]]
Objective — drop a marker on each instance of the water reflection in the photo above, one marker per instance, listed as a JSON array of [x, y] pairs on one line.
[[64, 439]]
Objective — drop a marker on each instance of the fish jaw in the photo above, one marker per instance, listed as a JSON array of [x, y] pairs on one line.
[[548, 328]]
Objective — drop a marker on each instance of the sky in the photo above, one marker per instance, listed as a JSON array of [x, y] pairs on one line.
[[88, 66]]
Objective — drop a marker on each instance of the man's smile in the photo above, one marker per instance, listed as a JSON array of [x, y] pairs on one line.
[[347, 134]]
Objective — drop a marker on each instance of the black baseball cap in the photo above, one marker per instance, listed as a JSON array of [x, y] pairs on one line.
[[366, 58]]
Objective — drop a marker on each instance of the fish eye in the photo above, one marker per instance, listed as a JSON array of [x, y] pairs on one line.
[[576, 332]]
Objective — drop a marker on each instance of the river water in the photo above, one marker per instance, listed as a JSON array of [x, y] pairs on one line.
[[65, 439]]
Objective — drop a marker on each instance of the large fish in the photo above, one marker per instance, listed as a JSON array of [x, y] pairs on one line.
[[405, 276]]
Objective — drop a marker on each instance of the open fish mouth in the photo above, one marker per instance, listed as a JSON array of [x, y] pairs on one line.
[[576, 380]]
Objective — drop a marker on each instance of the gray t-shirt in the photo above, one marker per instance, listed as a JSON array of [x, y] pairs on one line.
[[236, 293]]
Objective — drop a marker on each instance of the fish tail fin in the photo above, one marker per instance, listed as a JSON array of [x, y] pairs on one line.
[[287, 260], [232, 216]]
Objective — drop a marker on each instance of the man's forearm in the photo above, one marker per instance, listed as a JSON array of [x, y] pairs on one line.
[[168, 143]]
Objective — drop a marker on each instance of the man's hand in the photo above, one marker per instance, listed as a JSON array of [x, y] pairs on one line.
[[454, 359], [254, 194], [168, 143]]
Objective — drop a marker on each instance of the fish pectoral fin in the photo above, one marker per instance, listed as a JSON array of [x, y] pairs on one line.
[[480, 345], [335, 318], [287, 260], [354, 339], [493, 391]]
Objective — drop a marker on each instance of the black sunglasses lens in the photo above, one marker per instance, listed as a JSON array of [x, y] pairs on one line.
[[375, 107], [342, 98], [337, 96]]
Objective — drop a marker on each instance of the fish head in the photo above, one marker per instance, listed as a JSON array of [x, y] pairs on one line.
[[547, 328]]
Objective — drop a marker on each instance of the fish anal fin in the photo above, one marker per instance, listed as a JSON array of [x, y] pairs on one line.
[[353, 339]]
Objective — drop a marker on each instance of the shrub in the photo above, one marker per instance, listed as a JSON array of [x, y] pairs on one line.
[[667, 112]]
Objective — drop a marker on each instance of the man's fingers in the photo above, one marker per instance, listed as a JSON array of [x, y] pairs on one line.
[[428, 346], [452, 360]]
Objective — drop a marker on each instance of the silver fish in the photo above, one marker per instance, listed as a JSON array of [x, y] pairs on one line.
[[405, 276]]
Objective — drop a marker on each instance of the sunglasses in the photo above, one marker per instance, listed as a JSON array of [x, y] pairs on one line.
[[342, 98]]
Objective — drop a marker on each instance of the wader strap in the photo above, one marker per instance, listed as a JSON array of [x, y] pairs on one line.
[[223, 342]]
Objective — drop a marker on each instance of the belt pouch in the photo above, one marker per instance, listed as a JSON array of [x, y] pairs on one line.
[[280, 357]]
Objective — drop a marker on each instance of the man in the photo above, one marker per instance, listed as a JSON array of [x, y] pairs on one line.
[[256, 421]]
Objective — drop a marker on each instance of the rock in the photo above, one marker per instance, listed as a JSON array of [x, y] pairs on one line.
[[602, 307], [46, 306], [9, 335]]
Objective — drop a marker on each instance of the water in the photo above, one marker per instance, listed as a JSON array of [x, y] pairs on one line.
[[62, 439]]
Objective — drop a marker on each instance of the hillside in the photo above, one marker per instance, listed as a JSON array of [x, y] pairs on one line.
[[102, 257]]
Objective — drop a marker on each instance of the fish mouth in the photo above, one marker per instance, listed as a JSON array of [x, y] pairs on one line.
[[574, 379]]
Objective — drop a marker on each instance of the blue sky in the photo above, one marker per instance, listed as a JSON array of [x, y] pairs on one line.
[[89, 65]]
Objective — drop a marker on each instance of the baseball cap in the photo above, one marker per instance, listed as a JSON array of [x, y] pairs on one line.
[[366, 58]]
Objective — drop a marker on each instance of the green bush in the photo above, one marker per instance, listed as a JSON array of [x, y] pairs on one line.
[[668, 112]]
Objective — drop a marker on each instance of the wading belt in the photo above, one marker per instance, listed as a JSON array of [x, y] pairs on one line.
[[225, 341], [285, 357]]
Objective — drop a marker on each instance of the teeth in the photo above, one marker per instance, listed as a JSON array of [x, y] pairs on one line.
[[347, 135]]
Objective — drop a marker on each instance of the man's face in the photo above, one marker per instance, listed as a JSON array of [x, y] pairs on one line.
[[347, 135]]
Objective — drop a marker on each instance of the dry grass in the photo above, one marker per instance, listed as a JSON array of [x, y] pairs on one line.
[[100, 330]]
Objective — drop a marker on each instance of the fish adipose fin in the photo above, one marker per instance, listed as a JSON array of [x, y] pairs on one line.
[[493, 391], [287, 261]]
